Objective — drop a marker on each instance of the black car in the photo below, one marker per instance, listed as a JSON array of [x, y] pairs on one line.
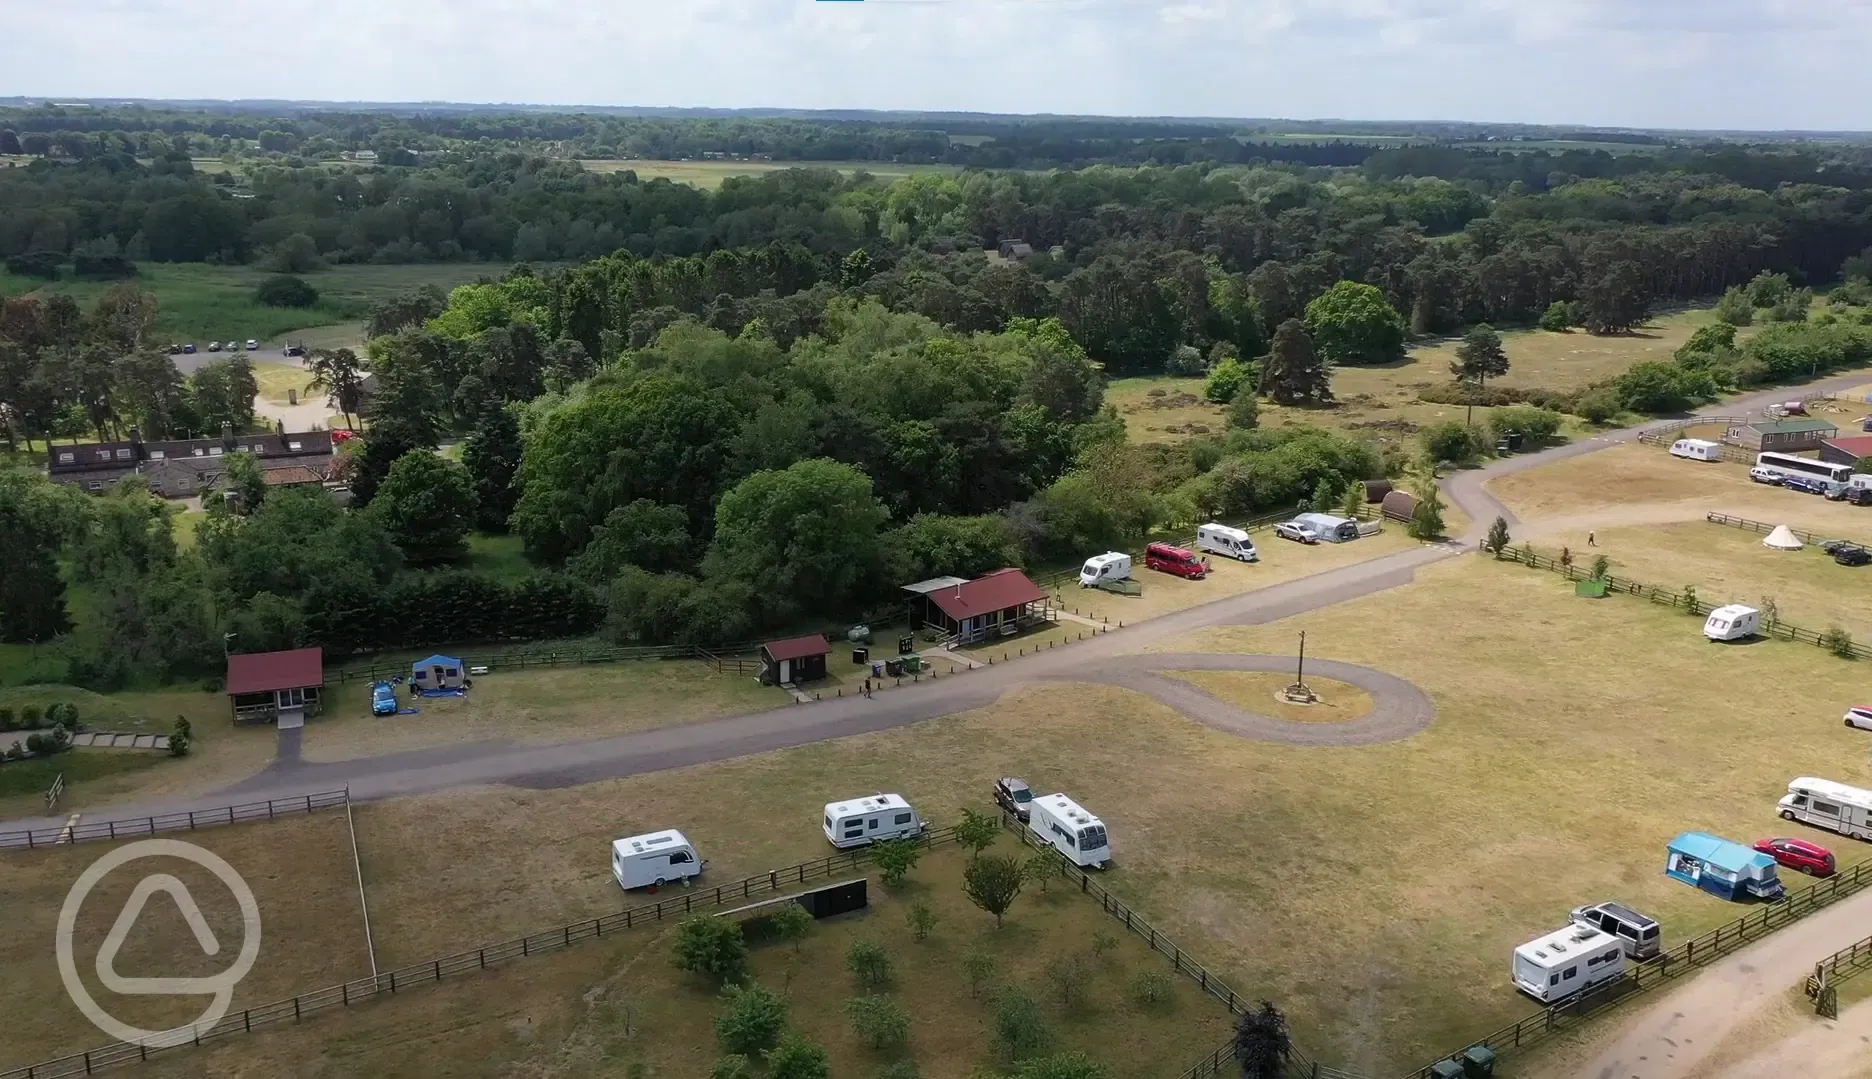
[[1014, 796], [1860, 496], [1847, 555]]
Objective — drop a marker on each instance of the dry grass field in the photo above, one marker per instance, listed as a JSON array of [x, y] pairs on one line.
[[617, 1006], [542, 705], [276, 379], [312, 931], [1338, 702], [709, 175]]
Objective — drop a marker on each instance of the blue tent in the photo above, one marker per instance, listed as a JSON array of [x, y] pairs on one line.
[[1722, 868], [438, 673]]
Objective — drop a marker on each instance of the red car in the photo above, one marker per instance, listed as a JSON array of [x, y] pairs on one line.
[[1799, 854], [1167, 558]]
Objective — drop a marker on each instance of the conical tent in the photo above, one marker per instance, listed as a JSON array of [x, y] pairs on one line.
[[1782, 539]]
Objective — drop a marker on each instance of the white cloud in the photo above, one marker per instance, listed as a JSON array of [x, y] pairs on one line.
[[1689, 63]]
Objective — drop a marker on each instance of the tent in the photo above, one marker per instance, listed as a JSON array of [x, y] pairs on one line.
[[438, 674], [1782, 539]]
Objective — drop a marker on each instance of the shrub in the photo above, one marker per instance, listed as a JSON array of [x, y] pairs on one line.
[[1244, 412], [1558, 318], [869, 963], [1070, 1065], [1537, 425], [30, 716], [978, 965], [896, 857], [1599, 405], [1042, 867], [181, 738], [63, 714], [1452, 442], [1602, 568], [797, 1058], [1689, 598], [921, 919], [1837, 641], [6, 718], [791, 923], [1467, 393], [1151, 988], [878, 1021], [711, 946], [1228, 379], [753, 1019], [35, 743], [732, 1066], [1186, 362], [1067, 975], [1020, 1030], [42, 264], [977, 831], [992, 883], [1497, 539], [285, 290]]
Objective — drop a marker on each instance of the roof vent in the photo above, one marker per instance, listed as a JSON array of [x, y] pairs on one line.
[[1558, 947]]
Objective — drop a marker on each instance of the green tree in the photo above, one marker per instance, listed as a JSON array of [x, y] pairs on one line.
[[869, 963], [1497, 540], [920, 918], [1020, 1029], [181, 738], [36, 517], [1734, 308], [284, 290], [1837, 641], [1352, 500], [878, 1021], [792, 923], [808, 535], [297, 253], [1615, 298], [797, 1057], [336, 374], [1071, 1065], [1715, 339], [1067, 975], [1451, 442], [1558, 318], [426, 504], [977, 830], [1325, 494], [978, 965], [1295, 373], [937, 545], [992, 882], [1537, 425], [896, 858], [1244, 412], [1427, 518], [752, 1019], [711, 946], [733, 1066], [246, 481], [1767, 289], [1350, 323], [1262, 1045], [491, 454], [1480, 357], [642, 534], [1044, 866], [1226, 381]]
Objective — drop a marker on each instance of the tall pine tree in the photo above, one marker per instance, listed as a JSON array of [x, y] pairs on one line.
[[492, 456], [1294, 373]]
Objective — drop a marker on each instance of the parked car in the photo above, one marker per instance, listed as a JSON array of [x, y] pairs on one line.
[[214, 346], [1811, 858], [1851, 555], [1860, 496], [188, 350], [1803, 484], [1762, 475], [295, 350], [383, 700], [1296, 531], [1860, 715], [1014, 796], [252, 345], [175, 350]]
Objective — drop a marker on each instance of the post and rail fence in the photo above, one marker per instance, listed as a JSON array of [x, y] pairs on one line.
[[54, 792], [1763, 527], [189, 820], [1839, 966]]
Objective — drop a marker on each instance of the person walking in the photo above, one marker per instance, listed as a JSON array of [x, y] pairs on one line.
[[1592, 538]]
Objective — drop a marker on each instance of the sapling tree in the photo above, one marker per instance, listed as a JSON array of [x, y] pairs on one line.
[[896, 858], [977, 831], [1497, 540], [992, 882], [869, 963]]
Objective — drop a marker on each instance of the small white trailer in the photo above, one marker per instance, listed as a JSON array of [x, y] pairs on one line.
[[1565, 962], [657, 858], [857, 822], [1102, 569], [1733, 622], [1063, 823], [1227, 542], [1696, 449]]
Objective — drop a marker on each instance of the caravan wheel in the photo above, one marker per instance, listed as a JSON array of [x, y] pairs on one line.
[[658, 883], [1787, 814]]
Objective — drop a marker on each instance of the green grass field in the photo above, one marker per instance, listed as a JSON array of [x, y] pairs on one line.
[[200, 303], [710, 174]]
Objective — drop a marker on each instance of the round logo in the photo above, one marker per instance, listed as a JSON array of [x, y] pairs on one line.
[[220, 986]]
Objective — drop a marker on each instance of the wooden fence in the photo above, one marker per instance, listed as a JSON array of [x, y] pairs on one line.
[[1685, 959], [1763, 527], [478, 959], [523, 660], [1840, 965], [1770, 627], [175, 822], [54, 792]]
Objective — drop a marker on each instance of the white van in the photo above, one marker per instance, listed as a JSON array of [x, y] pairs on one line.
[[1732, 623], [1104, 568], [861, 821], [1329, 528], [1071, 830], [1697, 449], [1227, 542], [657, 858], [1826, 804], [1565, 962]]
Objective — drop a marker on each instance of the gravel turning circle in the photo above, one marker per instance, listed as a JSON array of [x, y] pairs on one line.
[[1399, 709]]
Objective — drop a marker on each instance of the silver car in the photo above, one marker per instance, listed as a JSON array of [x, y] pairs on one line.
[[1859, 716], [1295, 530]]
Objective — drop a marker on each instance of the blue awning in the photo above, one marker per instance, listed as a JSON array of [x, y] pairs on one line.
[[1719, 852]]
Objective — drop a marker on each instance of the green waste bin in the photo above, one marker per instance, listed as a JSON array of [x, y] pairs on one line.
[[1478, 1062], [1446, 1069], [912, 664]]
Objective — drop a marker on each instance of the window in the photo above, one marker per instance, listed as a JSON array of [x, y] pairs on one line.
[[295, 445], [828, 824], [96, 485], [1650, 934], [854, 832], [123, 454], [103, 455], [258, 448], [157, 455], [681, 857], [214, 451], [1800, 801], [1826, 808], [65, 457], [1571, 973], [872, 824], [1555, 980], [903, 818]]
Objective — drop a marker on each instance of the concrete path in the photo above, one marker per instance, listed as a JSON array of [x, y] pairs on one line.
[[1826, 1049]]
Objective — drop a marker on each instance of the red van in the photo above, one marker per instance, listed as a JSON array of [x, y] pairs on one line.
[[1176, 560]]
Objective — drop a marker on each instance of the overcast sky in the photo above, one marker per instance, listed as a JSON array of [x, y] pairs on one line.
[[1761, 64]]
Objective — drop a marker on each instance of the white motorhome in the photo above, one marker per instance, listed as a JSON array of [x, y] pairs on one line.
[[1227, 542], [860, 821], [1063, 823], [1104, 568], [1696, 449], [1826, 804], [657, 858], [1732, 623], [1565, 962], [1329, 528]]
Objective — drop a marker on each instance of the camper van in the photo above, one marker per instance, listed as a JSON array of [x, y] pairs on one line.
[[1330, 529], [1104, 568], [1696, 449], [1566, 961], [1176, 561], [1230, 542], [1732, 623], [861, 821], [1826, 804], [1072, 831], [657, 858]]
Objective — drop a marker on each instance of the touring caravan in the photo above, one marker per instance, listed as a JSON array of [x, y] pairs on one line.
[[1826, 804], [1104, 569], [1227, 542], [1732, 623], [1329, 528], [1080, 836], [1565, 962], [1696, 449], [657, 858], [861, 821]]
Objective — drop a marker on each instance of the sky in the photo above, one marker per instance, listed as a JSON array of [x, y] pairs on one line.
[[1712, 64]]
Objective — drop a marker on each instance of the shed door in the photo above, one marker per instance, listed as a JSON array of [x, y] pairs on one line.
[[786, 670]]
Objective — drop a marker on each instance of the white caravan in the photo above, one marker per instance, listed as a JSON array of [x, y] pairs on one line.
[[1565, 962], [657, 858], [1826, 804], [1104, 568], [1696, 449], [1732, 623], [860, 821], [1071, 830], [1227, 542]]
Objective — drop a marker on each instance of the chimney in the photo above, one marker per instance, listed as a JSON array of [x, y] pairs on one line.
[[136, 444], [227, 437]]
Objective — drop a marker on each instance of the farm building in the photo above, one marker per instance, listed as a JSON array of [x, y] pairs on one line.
[[794, 660], [282, 686], [1848, 451], [1781, 436], [183, 468], [1016, 250], [995, 604]]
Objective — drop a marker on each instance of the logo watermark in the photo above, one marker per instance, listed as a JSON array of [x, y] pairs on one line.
[[220, 986]]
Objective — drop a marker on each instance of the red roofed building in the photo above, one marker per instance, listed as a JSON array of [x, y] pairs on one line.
[[995, 604], [283, 686], [1847, 451], [796, 659]]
